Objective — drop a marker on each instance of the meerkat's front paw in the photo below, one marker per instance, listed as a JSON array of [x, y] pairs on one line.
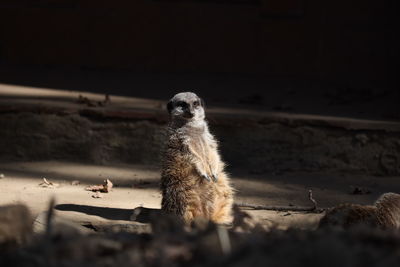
[[203, 173], [214, 177], [205, 176]]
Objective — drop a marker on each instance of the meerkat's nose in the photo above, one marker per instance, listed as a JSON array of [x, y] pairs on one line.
[[190, 112]]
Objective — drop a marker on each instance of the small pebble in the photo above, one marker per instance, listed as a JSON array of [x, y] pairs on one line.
[[97, 195]]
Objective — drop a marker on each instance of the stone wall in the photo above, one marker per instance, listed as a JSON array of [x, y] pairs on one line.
[[257, 147]]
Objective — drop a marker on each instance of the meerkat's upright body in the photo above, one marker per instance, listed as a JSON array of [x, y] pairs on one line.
[[193, 181]]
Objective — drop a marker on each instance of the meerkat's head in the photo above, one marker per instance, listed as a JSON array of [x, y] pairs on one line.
[[186, 106]]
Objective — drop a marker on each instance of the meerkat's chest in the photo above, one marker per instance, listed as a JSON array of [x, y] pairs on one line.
[[200, 140], [201, 144]]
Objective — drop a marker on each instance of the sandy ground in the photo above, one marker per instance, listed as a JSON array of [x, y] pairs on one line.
[[137, 185], [332, 142]]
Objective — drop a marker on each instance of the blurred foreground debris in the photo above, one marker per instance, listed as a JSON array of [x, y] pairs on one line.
[[15, 224], [206, 244], [171, 243]]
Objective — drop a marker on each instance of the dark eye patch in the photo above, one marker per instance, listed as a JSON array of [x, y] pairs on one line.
[[181, 104], [196, 103]]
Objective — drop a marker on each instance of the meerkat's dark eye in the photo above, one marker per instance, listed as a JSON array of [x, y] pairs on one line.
[[196, 104], [182, 104]]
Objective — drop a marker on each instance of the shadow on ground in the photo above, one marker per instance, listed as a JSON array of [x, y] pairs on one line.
[[138, 214]]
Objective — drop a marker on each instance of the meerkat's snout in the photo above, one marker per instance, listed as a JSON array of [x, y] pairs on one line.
[[188, 112]]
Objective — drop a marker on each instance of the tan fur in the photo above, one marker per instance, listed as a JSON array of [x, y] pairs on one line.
[[388, 210], [191, 160], [385, 213]]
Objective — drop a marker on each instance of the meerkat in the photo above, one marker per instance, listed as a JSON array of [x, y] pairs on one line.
[[385, 214], [193, 181]]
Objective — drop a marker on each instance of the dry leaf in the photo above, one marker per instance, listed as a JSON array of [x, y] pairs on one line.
[[104, 188]]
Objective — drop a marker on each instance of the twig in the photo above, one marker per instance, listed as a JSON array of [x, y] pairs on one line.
[[313, 208], [46, 182], [280, 208], [310, 197]]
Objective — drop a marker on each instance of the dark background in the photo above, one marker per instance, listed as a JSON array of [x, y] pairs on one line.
[[307, 56]]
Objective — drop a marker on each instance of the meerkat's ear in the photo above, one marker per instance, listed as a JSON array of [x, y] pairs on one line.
[[169, 106], [202, 103]]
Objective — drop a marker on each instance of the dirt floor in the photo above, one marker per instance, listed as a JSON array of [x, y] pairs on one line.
[[136, 186], [274, 158], [77, 139]]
